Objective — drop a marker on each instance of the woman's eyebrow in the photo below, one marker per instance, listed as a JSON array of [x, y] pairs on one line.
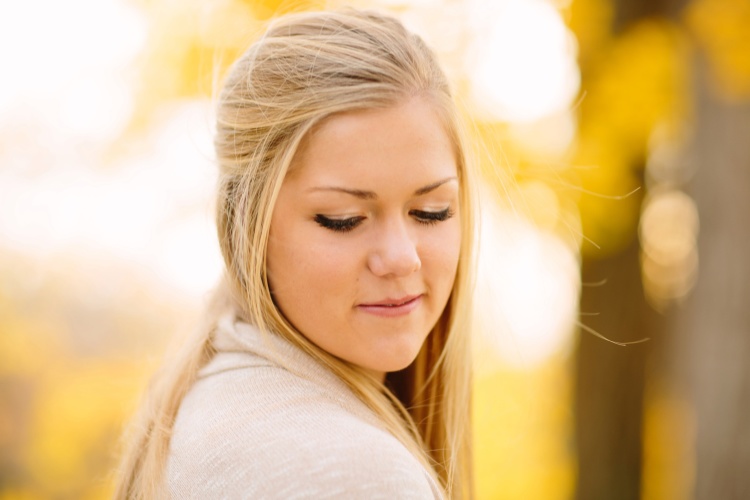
[[433, 186], [364, 195], [370, 195]]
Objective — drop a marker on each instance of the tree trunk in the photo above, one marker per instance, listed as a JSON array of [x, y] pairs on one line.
[[712, 339], [610, 378]]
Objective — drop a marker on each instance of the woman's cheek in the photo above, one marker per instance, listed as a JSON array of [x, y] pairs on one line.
[[443, 244]]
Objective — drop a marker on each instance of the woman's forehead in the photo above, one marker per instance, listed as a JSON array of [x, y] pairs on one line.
[[408, 136]]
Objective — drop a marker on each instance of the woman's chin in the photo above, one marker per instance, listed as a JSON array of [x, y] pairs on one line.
[[391, 362]]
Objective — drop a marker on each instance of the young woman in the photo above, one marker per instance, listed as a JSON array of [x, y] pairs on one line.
[[334, 362]]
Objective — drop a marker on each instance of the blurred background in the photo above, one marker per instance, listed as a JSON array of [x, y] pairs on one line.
[[613, 305]]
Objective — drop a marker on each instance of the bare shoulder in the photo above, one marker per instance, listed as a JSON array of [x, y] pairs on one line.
[[261, 431]]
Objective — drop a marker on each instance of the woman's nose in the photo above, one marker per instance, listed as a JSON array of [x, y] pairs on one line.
[[394, 252]]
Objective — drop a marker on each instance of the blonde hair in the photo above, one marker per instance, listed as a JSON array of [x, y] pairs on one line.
[[307, 67]]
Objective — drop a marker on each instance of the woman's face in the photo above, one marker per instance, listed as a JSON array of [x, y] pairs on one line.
[[365, 234]]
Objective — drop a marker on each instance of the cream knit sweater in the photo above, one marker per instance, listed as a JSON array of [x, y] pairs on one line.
[[265, 420]]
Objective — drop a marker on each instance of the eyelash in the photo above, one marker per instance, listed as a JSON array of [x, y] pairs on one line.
[[338, 225], [346, 225], [430, 218]]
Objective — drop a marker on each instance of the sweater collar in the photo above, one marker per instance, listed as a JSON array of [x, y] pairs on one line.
[[241, 345]]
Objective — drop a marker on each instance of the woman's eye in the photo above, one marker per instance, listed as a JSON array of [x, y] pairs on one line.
[[341, 225], [427, 217]]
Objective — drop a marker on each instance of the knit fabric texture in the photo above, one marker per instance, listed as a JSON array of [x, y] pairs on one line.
[[266, 420]]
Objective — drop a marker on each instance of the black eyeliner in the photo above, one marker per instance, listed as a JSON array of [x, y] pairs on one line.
[[341, 225], [427, 217]]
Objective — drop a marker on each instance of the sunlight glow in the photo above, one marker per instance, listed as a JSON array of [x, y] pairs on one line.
[[668, 232], [66, 72], [524, 65], [152, 211], [547, 139], [527, 290], [68, 99], [409, 3]]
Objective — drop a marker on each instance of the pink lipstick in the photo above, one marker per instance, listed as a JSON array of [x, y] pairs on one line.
[[391, 308]]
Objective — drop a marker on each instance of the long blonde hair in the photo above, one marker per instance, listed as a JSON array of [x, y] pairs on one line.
[[307, 67]]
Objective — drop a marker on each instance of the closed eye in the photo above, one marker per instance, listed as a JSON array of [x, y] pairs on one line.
[[339, 225], [428, 217]]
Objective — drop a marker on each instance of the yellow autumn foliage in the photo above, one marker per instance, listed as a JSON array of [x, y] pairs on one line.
[[191, 44], [520, 423], [722, 30], [639, 85]]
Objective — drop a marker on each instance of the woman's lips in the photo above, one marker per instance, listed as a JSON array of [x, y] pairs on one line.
[[390, 308]]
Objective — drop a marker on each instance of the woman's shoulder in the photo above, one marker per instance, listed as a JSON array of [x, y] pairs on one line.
[[258, 430]]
